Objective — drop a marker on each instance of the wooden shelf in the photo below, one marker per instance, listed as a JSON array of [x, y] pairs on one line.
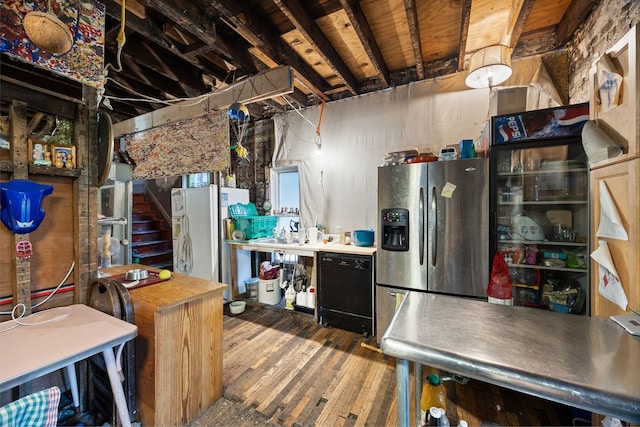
[[544, 267], [545, 202], [53, 171], [544, 172], [7, 166], [543, 243]]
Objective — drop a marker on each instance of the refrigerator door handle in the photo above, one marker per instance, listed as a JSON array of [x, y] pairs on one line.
[[421, 213], [434, 227]]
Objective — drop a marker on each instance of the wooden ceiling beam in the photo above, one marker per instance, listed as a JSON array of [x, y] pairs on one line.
[[298, 96], [576, 13], [196, 48], [188, 16], [148, 30], [134, 7], [257, 32], [135, 71], [300, 18], [362, 29], [157, 85], [129, 85], [236, 54], [196, 19], [274, 105], [414, 34], [146, 55], [514, 31], [464, 33]]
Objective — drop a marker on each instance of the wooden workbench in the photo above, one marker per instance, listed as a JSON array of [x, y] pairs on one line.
[[178, 348]]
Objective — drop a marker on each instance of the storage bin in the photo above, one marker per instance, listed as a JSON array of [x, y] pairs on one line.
[[252, 288], [269, 291], [246, 218]]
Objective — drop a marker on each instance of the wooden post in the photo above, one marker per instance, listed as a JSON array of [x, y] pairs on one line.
[[21, 280]]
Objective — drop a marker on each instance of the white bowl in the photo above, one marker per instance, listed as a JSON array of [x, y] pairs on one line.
[[237, 307]]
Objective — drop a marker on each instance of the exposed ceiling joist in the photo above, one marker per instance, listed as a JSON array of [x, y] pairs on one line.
[[513, 32], [272, 83], [414, 35], [464, 33], [188, 16], [362, 29], [296, 13], [576, 13], [154, 34], [337, 48], [257, 32]]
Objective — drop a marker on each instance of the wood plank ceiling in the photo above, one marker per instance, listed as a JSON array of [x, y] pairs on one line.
[[337, 48]]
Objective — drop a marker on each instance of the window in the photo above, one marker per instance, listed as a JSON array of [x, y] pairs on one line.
[[285, 193], [198, 180], [286, 190]]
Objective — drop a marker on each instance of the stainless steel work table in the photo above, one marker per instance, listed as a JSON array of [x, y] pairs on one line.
[[585, 362]]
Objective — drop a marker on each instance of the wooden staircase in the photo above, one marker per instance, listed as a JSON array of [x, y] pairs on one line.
[[151, 236]]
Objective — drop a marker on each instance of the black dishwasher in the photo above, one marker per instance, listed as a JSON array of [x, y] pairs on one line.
[[346, 291]]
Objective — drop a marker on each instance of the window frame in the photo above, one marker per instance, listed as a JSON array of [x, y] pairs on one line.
[[275, 185]]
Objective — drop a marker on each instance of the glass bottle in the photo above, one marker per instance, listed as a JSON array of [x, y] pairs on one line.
[[434, 394]]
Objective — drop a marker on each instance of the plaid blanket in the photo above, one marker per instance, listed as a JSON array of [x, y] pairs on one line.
[[37, 409]]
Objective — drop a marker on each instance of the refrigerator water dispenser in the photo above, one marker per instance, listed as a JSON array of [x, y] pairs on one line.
[[395, 229]]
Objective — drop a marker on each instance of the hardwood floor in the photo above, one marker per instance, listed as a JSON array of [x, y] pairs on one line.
[[280, 368]]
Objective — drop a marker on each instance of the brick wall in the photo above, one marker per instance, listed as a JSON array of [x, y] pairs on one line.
[[610, 20], [253, 175]]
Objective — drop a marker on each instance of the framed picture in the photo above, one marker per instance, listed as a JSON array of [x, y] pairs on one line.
[[37, 151], [67, 155]]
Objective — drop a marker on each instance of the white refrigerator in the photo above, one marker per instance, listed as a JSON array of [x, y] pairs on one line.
[[199, 248], [231, 196]]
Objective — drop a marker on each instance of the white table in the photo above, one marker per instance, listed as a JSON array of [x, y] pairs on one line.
[[28, 352], [586, 362]]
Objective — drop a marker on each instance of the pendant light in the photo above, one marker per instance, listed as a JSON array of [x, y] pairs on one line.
[[489, 67], [47, 31]]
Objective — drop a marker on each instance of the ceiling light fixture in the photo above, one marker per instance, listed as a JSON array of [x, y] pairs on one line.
[[489, 66]]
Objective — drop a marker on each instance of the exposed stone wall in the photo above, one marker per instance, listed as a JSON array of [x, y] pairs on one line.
[[610, 20]]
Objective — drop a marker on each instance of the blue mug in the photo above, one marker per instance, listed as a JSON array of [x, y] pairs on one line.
[[467, 151]]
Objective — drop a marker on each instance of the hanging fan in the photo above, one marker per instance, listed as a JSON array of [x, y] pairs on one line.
[[47, 31]]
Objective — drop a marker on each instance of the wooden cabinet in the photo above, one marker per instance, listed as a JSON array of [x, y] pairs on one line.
[[621, 175], [622, 123], [178, 348], [623, 183]]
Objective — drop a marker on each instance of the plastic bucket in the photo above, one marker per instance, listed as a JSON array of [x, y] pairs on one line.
[[363, 237], [269, 291], [252, 288]]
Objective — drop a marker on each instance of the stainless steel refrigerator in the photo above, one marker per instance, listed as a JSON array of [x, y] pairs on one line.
[[433, 233]]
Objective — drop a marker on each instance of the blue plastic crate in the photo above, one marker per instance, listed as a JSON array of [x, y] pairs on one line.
[[246, 218], [243, 210], [256, 226]]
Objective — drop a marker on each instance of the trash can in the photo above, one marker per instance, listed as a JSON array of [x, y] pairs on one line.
[[269, 291], [252, 288]]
